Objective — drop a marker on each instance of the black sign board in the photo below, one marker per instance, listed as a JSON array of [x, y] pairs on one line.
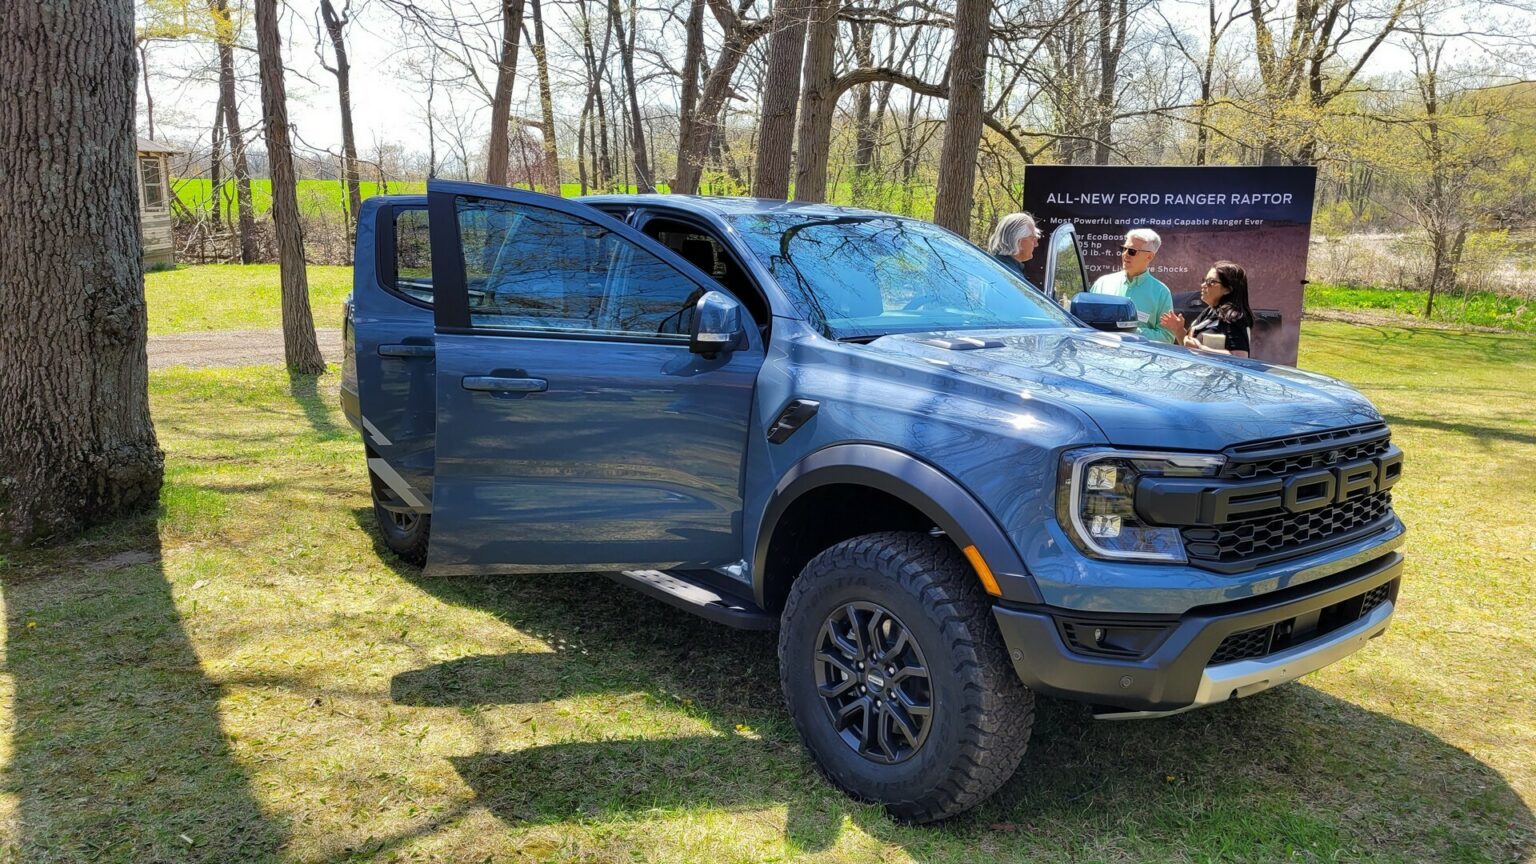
[[1260, 218]]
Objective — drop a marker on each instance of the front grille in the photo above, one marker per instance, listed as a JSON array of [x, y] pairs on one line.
[[1284, 532], [1297, 463], [1263, 641]]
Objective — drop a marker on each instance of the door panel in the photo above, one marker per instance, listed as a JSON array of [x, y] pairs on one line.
[[575, 428], [393, 348]]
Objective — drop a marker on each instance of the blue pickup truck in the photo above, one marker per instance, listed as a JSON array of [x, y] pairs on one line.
[[946, 493]]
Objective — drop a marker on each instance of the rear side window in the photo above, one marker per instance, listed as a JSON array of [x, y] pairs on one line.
[[530, 268], [413, 254]]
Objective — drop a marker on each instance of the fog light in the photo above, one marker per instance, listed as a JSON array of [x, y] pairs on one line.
[[1105, 526], [1102, 478], [1098, 635]]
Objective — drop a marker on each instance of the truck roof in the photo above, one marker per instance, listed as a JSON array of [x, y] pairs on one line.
[[720, 205]]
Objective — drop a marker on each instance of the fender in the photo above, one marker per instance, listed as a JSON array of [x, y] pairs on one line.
[[904, 476]]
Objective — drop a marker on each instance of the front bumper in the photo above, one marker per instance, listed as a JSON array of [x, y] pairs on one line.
[[1300, 630]]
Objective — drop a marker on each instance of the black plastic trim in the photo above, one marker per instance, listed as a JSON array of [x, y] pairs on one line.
[[384, 249], [934, 493]]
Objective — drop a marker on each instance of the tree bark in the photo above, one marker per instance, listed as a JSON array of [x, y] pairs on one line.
[[226, 37], [962, 127], [546, 104], [77, 446], [776, 133], [216, 164], [501, 99], [739, 37], [644, 182], [300, 348], [688, 94], [817, 103], [1113, 15], [334, 26]]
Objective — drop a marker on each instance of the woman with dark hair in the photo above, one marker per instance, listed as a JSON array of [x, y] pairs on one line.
[[1222, 328]]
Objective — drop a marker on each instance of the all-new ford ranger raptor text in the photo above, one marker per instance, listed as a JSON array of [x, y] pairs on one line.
[[944, 491]]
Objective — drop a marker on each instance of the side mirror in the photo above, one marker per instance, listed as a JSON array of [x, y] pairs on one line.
[[1105, 312], [716, 325]]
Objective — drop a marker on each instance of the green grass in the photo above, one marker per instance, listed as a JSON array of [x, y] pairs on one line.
[[1479, 309], [316, 197], [237, 297], [246, 675]]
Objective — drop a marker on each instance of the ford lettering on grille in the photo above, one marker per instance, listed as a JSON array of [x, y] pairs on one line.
[[1302, 492]]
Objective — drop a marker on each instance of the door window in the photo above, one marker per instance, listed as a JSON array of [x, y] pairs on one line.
[[529, 268], [413, 254]]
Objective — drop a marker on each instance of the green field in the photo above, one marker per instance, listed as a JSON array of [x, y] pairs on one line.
[[1478, 309], [247, 676], [237, 297]]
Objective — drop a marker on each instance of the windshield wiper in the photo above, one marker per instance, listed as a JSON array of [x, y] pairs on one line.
[[862, 339]]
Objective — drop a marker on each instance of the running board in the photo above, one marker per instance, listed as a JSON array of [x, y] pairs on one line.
[[692, 594]]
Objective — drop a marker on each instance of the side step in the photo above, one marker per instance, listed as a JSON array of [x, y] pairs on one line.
[[688, 591]]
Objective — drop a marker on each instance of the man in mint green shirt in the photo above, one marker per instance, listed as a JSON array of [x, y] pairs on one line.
[[1151, 296]]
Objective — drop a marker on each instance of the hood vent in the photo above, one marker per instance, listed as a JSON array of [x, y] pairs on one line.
[[961, 343]]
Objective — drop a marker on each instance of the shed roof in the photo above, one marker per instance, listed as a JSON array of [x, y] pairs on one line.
[[148, 146]]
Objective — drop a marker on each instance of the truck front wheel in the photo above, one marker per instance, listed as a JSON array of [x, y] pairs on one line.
[[896, 677]]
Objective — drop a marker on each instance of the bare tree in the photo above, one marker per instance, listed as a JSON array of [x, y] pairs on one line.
[[962, 127], [546, 104], [501, 100], [776, 133], [77, 446], [645, 181], [226, 35], [300, 348], [335, 27]]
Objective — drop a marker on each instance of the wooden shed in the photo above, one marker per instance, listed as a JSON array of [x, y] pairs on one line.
[[155, 204]]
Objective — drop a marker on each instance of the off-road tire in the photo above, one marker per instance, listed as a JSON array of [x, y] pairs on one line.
[[981, 714], [406, 538]]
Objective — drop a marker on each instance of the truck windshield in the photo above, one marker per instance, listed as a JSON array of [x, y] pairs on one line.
[[861, 276]]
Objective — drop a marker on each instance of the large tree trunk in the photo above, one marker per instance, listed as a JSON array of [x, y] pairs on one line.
[[226, 37], [77, 446], [1113, 15], [817, 104], [546, 105], [688, 95], [300, 349], [334, 26], [776, 134], [216, 164], [501, 100], [962, 126]]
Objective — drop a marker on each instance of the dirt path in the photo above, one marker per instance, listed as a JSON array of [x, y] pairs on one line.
[[232, 348]]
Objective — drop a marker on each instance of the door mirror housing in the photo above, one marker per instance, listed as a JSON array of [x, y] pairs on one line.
[[1105, 312], [716, 325]]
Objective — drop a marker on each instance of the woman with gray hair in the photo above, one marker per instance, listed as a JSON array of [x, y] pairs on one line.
[[1013, 242]]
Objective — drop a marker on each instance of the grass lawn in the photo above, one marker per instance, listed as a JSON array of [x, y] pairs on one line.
[[237, 297], [1479, 309], [246, 675]]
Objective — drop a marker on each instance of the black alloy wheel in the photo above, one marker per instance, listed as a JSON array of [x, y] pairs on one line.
[[873, 681]]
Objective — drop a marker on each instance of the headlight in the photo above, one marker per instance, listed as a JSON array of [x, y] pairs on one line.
[[1096, 501]]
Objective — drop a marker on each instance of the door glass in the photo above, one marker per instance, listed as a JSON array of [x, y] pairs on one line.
[[413, 254], [530, 268], [1069, 266]]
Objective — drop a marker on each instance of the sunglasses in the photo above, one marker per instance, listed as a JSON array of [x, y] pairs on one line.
[[1134, 252]]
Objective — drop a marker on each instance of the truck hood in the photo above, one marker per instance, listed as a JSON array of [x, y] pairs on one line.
[[1141, 393]]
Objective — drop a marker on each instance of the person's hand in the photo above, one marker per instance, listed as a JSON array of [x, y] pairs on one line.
[[1173, 322]]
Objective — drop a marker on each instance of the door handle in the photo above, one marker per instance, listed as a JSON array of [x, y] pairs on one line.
[[407, 351], [495, 384]]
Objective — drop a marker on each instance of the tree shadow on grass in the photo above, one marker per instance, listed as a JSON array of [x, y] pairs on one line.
[[305, 390], [118, 754], [1294, 772]]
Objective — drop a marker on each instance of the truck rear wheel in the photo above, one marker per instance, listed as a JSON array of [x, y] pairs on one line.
[[405, 532], [896, 676]]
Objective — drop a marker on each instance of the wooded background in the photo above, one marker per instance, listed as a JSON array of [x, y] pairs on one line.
[[1420, 114]]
